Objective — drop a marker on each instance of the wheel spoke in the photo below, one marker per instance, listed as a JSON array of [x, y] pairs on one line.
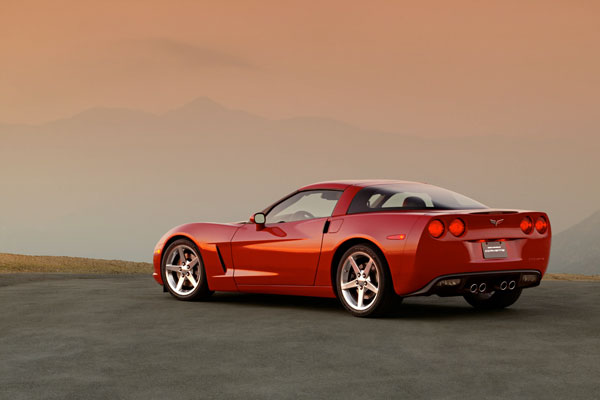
[[372, 287], [174, 268], [361, 297], [180, 283], [367, 269], [192, 280], [181, 256], [354, 266], [193, 263], [349, 285]]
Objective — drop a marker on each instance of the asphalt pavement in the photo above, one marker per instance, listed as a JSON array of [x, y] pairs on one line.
[[113, 337]]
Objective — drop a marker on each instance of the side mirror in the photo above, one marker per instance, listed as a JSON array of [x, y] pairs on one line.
[[258, 218]]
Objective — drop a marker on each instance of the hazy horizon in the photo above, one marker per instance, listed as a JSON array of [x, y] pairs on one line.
[[108, 182]]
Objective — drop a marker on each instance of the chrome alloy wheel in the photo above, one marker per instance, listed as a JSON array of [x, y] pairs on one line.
[[183, 270], [359, 281]]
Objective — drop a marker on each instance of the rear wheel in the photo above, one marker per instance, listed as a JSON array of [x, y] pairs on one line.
[[494, 300], [363, 282], [183, 271]]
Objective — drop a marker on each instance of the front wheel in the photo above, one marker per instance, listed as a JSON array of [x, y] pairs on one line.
[[493, 301], [363, 282], [183, 271]]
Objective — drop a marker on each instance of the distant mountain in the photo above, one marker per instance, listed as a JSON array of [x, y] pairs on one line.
[[108, 182], [577, 249]]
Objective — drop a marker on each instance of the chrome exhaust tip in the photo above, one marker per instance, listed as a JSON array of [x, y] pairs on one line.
[[482, 287], [503, 285], [512, 285], [473, 288]]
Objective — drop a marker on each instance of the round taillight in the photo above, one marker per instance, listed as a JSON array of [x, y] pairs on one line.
[[541, 225], [436, 228], [527, 225], [457, 227]]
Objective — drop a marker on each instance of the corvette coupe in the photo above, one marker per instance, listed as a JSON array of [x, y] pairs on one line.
[[366, 243]]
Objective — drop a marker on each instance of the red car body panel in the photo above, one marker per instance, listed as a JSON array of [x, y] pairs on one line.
[[298, 258], [286, 254]]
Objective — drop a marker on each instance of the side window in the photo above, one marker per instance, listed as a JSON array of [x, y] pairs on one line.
[[408, 200], [305, 205], [409, 196]]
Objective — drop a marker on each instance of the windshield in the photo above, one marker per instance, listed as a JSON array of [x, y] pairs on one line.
[[409, 196], [305, 205]]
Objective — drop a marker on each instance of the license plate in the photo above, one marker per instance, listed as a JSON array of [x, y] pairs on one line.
[[494, 249]]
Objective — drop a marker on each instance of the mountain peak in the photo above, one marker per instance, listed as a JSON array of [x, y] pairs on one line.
[[203, 105], [209, 111]]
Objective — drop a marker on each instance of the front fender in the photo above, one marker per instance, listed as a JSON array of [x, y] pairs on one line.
[[214, 242]]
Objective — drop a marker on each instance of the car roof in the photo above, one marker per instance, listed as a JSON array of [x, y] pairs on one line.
[[343, 184]]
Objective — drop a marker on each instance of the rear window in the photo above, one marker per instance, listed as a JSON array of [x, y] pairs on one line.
[[409, 196]]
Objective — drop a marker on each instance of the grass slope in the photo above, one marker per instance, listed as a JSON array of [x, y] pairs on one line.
[[11, 263], [571, 277]]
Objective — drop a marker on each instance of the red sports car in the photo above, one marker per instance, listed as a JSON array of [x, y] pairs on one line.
[[366, 243]]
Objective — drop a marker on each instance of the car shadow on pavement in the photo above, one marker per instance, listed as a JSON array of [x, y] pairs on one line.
[[413, 309], [424, 311], [278, 301]]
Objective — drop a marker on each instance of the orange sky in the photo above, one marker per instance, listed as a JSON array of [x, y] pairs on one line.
[[430, 68]]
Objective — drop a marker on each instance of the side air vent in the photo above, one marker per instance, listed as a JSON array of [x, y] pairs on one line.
[[221, 259]]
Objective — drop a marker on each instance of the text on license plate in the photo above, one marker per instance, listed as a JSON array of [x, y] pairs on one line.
[[494, 249]]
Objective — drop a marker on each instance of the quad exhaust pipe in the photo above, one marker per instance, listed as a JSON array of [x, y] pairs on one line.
[[508, 285], [504, 285], [475, 289]]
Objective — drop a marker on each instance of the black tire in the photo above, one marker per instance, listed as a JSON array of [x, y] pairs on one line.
[[385, 296], [496, 301], [197, 272]]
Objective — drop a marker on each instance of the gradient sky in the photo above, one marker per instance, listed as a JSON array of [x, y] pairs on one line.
[[423, 68]]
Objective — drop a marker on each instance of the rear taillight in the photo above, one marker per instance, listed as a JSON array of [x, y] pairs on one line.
[[527, 225], [457, 227], [541, 225], [436, 228]]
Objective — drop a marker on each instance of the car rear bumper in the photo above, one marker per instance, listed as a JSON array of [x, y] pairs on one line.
[[479, 282]]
